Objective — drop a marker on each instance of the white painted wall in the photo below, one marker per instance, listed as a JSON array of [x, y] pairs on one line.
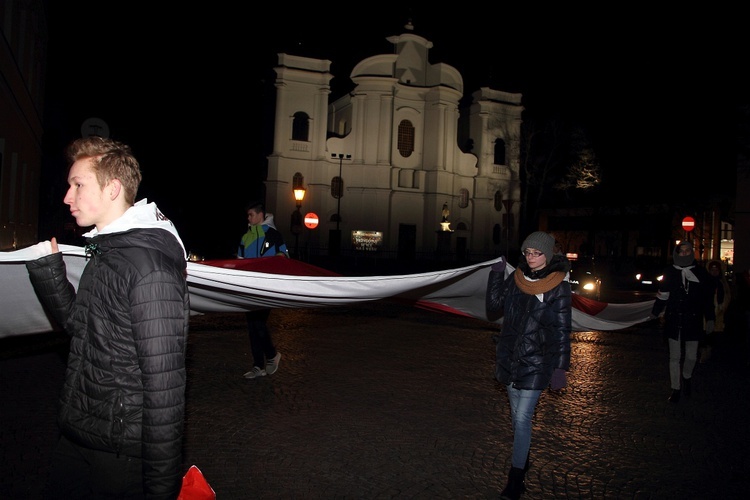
[[383, 189]]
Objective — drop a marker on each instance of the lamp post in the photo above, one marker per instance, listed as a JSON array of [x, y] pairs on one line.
[[299, 195], [334, 242]]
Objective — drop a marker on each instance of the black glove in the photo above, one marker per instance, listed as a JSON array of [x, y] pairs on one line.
[[559, 379], [499, 266]]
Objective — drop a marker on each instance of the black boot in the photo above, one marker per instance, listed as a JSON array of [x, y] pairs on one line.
[[516, 485], [526, 467], [686, 386], [675, 396]]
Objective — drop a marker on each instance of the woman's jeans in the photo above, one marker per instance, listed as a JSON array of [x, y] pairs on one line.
[[522, 406], [675, 353]]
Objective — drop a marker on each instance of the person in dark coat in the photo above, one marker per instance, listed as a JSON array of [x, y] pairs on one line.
[[722, 296], [685, 299], [122, 404], [533, 347]]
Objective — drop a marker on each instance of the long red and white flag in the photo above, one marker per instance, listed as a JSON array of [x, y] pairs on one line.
[[237, 285]]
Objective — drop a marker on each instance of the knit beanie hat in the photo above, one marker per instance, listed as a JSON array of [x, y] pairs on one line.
[[683, 260], [544, 242]]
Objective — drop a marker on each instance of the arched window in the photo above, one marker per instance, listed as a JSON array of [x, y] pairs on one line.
[[300, 126], [499, 152], [498, 201], [337, 187], [298, 181], [405, 138], [463, 198]]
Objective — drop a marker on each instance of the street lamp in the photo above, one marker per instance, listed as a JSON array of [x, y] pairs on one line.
[[338, 193], [299, 195]]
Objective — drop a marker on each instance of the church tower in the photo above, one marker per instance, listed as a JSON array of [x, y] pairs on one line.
[[383, 162]]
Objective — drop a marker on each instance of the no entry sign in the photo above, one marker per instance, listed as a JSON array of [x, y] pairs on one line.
[[311, 220], [688, 223]]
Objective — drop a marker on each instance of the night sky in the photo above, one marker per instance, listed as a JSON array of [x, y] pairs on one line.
[[191, 90]]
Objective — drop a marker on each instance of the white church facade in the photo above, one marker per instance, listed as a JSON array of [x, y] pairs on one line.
[[381, 166]]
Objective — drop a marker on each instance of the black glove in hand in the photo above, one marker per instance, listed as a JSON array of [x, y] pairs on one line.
[[559, 379], [499, 266]]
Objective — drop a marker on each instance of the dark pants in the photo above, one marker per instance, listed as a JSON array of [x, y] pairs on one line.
[[261, 343], [79, 472]]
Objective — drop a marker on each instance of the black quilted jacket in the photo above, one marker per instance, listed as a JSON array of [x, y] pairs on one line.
[[124, 389], [535, 335]]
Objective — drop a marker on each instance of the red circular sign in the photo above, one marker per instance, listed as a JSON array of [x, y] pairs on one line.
[[311, 220], [688, 223]]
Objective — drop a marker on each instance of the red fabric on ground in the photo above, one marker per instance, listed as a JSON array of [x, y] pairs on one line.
[[272, 265], [586, 305]]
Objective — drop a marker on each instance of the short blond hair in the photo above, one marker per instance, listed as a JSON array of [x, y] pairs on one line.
[[110, 159]]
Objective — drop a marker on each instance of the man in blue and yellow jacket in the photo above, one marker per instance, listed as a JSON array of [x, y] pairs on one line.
[[262, 239]]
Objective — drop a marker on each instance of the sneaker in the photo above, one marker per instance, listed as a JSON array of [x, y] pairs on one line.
[[255, 372], [273, 364]]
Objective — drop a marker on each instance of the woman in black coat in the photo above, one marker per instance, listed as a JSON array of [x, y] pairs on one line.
[[685, 298], [533, 348]]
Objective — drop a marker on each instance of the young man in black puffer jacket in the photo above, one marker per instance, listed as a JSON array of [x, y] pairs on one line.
[[123, 400]]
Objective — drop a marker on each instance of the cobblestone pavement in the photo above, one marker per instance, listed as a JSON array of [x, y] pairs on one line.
[[386, 400]]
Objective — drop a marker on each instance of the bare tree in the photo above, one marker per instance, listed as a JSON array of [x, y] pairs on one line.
[[584, 171], [555, 156]]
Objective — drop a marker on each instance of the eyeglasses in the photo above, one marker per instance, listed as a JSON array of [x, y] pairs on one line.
[[528, 253]]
